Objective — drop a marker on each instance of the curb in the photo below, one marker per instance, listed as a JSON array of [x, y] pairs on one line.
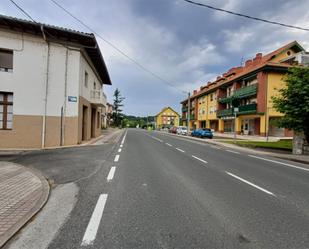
[[9, 234]]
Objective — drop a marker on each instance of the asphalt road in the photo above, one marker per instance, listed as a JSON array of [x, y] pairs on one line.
[[154, 190]]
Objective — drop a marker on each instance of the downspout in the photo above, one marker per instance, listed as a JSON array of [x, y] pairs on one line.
[[46, 89], [65, 96]]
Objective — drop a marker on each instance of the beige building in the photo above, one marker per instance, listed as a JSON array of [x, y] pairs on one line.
[[51, 85]]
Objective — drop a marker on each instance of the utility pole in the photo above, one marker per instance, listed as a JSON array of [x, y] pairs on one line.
[[188, 115]]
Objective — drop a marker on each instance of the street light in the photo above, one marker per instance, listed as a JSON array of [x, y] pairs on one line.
[[236, 109]]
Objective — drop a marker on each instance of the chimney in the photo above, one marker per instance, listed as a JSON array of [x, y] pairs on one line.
[[219, 77], [248, 63], [259, 55], [194, 92]]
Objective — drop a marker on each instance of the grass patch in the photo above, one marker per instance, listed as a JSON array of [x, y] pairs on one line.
[[279, 145]]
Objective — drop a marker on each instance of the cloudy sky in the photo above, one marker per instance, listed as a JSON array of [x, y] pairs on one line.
[[184, 44]]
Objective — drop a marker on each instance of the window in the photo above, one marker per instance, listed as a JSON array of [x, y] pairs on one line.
[[86, 79], [6, 111], [211, 97], [6, 60], [94, 85]]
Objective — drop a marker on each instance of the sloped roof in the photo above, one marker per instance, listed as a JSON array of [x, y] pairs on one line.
[[251, 66], [64, 36], [163, 109]]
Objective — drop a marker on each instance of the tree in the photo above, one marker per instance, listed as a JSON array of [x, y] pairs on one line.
[[117, 114], [294, 103]]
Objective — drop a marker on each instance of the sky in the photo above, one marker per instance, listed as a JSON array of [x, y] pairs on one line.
[[184, 44]]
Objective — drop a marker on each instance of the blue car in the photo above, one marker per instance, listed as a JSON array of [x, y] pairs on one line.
[[202, 133]]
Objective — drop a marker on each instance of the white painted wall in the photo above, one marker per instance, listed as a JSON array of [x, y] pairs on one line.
[[28, 79]]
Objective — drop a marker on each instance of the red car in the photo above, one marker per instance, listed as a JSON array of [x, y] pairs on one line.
[[173, 130]]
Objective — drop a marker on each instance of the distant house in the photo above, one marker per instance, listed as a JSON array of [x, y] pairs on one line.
[[51, 85], [166, 118], [109, 114]]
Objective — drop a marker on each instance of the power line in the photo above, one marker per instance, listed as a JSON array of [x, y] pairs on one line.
[[117, 49], [246, 16], [22, 10]]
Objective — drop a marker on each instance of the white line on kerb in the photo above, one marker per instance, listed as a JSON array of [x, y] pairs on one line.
[[119, 150], [235, 152], [116, 158], [285, 164], [111, 174], [199, 159], [93, 225], [168, 144], [180, 150], [250, 183]]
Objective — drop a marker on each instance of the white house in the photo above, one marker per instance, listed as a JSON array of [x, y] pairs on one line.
[[51, 85]]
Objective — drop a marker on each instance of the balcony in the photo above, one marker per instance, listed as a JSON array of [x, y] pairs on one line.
[[225, 99], [97, 98], [184, 109], [248, 109], [225, 113], [245, 91]]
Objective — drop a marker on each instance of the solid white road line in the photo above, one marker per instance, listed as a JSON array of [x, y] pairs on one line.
[[250, 183], [180, 150], [111, 174], [116, 158], [168, 144], [119, 150], [93, 225], [199, 159], [124, 137], [285, 164], [235, 152]]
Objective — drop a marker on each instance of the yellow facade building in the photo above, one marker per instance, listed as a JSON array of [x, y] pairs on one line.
[[250, 88], [167, 118]]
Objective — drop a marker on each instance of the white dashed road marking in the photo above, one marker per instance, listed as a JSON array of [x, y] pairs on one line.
[[116, 158], [250, 183], [93, 225], [119, 150], [199, 159], [168, 144], [111, 173], [180, 150], [235, 152]]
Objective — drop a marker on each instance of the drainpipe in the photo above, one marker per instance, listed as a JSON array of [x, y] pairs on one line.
[[65, 97], [46, 89]]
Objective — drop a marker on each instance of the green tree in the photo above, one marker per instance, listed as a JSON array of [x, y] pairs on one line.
[[117, 114], [293, 101]]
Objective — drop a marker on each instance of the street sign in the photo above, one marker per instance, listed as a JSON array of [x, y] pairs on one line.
[[236, 109], [72, 98]]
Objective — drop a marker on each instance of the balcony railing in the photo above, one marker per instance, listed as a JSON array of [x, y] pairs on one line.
[[240, 93], [245, 91], [184, 109], [225, 113], [244, 109], [96, 97], [248, 109]]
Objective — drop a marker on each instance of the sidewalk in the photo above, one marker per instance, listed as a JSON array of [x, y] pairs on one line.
[[23, 193], [248, 137]]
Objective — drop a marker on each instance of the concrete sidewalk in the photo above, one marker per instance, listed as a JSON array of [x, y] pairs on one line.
[[23, 193]]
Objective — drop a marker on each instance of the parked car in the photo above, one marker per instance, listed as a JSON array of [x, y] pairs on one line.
[[182, 130], [205, 132], [173, 130]]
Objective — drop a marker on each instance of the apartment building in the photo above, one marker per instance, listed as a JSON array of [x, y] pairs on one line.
[[250, 88], [166, 118], [51, 85]]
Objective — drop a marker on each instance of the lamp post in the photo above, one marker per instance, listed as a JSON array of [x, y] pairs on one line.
[[235, 116], [188, 114]]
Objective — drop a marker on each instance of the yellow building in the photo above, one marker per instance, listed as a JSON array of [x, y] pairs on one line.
[[166, 118], [251, 88]]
